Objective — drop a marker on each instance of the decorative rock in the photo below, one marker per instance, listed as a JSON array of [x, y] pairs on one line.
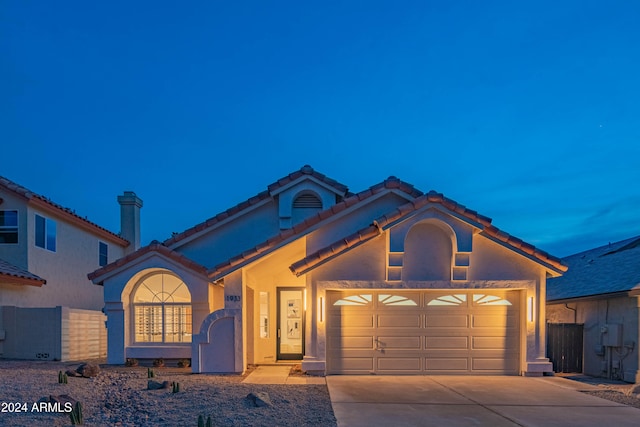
[[88, 370], [131, 362], [155, 385], [260, 399], [72, 373]]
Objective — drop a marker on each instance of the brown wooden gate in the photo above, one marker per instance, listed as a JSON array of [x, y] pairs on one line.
[[564, 346]]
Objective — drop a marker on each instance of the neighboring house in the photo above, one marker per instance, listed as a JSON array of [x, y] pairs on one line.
[[386, 281], [48, 308], [600, 295]]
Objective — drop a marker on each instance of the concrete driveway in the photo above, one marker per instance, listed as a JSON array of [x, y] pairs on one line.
[[471, 401]]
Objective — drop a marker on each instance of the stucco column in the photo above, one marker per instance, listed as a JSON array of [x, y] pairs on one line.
[[312, 319], [314, 357], [541, 332], [115, 333], [233, 300], [540, 364]]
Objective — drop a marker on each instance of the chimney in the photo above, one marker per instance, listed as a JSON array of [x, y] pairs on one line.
[[130, 205]]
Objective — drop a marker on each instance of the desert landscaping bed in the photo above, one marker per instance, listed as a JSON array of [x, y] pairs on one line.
[[119, 396]]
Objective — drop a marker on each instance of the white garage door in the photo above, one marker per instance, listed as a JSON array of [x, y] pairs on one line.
[[423, 332]]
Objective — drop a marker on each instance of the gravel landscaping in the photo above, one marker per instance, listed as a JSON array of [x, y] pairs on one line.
[[119, 396], [617, 396]]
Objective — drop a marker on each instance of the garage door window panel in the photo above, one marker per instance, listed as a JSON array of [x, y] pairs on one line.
[[362, 300], [448, 300], [398, 300]]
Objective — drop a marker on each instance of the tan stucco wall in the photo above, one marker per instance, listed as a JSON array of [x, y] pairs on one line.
[[65, 270], [365, 262], [595, 314], [491, 261], [267, 276], [347, 224]]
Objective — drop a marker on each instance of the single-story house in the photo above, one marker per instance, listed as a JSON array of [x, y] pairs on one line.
[[389, 280], [599, 299]]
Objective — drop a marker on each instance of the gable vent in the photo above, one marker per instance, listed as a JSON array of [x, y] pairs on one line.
[[307, 201]]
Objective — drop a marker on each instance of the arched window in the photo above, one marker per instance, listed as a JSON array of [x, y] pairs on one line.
[[161, 309]]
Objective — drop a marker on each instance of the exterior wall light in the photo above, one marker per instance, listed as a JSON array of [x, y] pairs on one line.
[[530, 309], [321, 309]]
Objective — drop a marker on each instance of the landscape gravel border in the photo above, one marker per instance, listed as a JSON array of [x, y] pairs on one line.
[[118, 396]]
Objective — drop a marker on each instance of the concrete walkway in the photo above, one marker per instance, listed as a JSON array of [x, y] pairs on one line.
[[471, 401], [279, 374]]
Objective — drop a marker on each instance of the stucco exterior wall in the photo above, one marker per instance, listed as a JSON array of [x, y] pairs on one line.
[[119, 310], [355, 220], [595, 315], [234, 237], [267, 276], [365, 262], [491, 261], [66, 269]]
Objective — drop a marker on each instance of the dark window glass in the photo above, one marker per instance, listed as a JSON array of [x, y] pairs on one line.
[[45, 233], [103, 254], [40, 221], [8, 218], [9, 226], [51, 235]]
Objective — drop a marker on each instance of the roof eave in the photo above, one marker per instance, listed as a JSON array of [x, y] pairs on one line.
[[607, 295], [16, 280], [154, 249], [78, 221], [553, 270]]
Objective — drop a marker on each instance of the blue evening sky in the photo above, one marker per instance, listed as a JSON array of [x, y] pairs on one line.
[[527, 112]]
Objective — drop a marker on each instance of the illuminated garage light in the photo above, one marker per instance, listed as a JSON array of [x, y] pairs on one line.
[[321, 309], [530, 309]]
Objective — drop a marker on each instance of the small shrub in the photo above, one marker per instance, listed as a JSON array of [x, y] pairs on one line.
[[131, 362], [158, 363]]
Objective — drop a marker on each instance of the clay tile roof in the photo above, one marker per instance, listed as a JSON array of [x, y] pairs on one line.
[[322, 255], [336, 248], [225, 267], [305, 170], [18, 276], [66, 213], [154, 246]]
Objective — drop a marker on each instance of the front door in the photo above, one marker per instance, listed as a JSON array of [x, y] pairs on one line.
[[290, 323]]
